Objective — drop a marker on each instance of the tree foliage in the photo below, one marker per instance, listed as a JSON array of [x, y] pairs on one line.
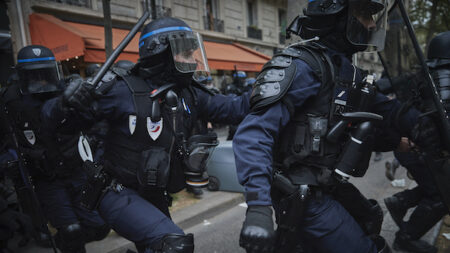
[[429, 17]]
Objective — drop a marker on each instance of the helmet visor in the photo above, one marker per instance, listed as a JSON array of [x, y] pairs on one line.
[[39, 78], [366, 26], [189, 55]]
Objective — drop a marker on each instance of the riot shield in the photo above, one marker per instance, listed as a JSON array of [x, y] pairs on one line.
[[411, 81]]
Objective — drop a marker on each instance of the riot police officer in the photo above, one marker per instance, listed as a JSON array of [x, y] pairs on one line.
[[149, 150], [52, 159], [425, 197], [311, 128]]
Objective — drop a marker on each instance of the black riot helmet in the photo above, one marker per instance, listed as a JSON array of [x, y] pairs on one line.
[[171, 44], [348, 25], [38, 71], [439, 50]]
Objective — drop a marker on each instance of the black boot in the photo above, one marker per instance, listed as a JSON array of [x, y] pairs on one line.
[[399, 203], [198, 192], [424, 217]]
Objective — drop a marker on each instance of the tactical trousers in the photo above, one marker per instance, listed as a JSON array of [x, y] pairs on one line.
[[134, 218], [328, 228], [419, 171], [60, 200]]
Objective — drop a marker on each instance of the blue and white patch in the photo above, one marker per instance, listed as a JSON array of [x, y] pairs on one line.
[[132, 123], [154, 128], [37, 51], [29, 135]]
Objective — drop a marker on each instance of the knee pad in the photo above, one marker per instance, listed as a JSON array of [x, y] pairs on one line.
[[175, 243], [71, 239], [96, 233]]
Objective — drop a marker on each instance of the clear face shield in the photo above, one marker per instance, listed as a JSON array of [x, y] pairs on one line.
[[40, 78], [189, 55], [366, 26]]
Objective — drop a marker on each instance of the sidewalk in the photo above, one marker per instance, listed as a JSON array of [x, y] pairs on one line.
[[373, 185]]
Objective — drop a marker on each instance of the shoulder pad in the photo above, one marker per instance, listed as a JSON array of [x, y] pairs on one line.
[[273, 82]]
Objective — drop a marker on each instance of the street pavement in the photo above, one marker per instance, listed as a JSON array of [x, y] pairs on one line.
[[216, 220]]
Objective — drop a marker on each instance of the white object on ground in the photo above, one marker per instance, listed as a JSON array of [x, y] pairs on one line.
[[243, 204], [446, 235], [398, 183]]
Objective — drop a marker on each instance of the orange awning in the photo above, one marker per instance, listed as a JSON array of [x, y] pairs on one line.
[[64, 41], [69, 39], [225, 56], [95, 43]]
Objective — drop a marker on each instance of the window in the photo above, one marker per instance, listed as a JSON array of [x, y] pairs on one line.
[[252, 14], [211, 17], [282, 19], [252, 20], [83, 3]]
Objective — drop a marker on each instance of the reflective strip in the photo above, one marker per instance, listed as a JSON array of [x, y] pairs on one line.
[[165, 29], [141, 43], [356, 140], [342, 173], [36, 59]]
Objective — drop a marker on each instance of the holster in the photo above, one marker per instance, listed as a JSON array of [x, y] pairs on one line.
[[95, 187], [290, 212]]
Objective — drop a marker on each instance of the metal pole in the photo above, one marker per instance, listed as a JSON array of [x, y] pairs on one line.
[[153, 7], [108, 27], [119, 50], [443, 116]]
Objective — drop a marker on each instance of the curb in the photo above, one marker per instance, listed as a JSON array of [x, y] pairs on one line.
[[211, 205]]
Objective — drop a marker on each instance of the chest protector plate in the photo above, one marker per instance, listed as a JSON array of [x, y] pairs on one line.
[[302, 147], [127, 153]]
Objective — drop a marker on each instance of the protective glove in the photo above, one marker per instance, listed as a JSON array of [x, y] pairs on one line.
[[12, 221], [77, 95], [257, 234]]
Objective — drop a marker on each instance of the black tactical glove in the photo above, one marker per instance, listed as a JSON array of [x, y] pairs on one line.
[[12, 221], [257, 234], [77, 96]]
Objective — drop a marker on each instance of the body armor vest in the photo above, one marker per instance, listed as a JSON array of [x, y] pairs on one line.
[[53, 154], [124, 153], [303, 148]]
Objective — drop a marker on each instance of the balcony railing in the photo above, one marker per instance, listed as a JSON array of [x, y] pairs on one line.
[[213, 24], [253, 32], [82, 3]]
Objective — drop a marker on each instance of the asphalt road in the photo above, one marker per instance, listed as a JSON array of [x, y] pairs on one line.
[[221, 233]]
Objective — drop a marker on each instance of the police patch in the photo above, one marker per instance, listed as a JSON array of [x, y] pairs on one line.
[[29, 135], [132, 123], [37, 51], [154, 128]]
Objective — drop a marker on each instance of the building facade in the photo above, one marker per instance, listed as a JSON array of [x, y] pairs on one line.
[[254, 26]]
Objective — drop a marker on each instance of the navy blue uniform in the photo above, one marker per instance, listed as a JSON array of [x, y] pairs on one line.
[[328, 227], [133, 214]]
